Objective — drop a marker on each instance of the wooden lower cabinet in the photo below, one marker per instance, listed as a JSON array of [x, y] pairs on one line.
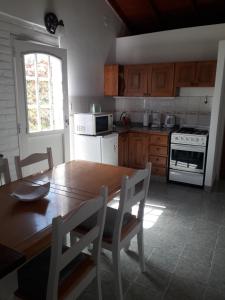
[[138, 150], [135, 149], [158, 150], [123, 153], [158, 160], [159, 171], [158, 154]]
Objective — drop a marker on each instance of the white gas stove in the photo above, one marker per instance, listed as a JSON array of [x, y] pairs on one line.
[[188, 150], [190, 136]]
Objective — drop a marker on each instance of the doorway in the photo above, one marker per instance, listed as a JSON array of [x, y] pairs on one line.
[[42, 100]]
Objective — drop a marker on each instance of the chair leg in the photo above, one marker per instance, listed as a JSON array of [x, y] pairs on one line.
[[126, 248], [141, 250], [117, 274], [99, 284]]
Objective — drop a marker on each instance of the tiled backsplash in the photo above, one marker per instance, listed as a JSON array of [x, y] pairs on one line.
[[191, 107]]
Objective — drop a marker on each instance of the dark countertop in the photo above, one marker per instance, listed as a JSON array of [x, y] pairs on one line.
[[159, 130]]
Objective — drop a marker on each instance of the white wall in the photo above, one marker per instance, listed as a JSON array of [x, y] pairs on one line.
[[196, 43], [217, 121], [90, 31], [32, 11]]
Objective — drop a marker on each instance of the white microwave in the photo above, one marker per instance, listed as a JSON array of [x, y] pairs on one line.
[[93, 123]]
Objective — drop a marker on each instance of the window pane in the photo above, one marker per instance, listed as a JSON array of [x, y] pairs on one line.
[[43, 92], [31, 92], [30, 64], [32, 120], [42, 65], [43, 77], [45, 119]]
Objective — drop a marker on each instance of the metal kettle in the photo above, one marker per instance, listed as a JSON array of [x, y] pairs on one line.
[[170, 121]]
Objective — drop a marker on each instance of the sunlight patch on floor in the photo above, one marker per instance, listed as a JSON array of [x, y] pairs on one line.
[[151, 212]]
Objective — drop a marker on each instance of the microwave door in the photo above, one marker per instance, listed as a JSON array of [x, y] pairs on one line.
[[101, 124]]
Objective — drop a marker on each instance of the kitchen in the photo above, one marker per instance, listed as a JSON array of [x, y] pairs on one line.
[[93, 39], [187, 111], [186, 93]]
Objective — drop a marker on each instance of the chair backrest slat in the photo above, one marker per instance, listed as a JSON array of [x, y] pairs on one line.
[[32, 159], [131, 194], [77, 247], [4, 171], [134, 200], [88, 209], [138, 177], [60, 259]]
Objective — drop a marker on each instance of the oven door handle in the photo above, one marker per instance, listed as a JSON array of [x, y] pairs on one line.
[[188, 148]]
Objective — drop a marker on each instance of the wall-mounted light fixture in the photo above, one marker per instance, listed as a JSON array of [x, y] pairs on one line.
[[52, 23]]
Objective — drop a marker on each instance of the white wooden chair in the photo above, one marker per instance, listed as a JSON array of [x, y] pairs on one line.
[[4, 171], [120, 225], [64, 272], [31, 159]]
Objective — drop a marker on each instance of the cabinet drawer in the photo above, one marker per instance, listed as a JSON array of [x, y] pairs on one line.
[[158, 161], [158, 150], [159, 171], [161, 140]]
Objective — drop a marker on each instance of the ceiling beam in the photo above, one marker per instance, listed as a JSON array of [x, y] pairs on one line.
[[195, 9], [155, 11]]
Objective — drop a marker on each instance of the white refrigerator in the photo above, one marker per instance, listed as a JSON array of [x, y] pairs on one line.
[[102, 149]]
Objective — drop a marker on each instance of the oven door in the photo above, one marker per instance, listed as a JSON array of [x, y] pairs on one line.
[[187, 158]]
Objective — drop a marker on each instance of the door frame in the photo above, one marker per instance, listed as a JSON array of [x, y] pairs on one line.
[[25, 47]]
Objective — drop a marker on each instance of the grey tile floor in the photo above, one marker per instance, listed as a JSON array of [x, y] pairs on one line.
[[184, 248]]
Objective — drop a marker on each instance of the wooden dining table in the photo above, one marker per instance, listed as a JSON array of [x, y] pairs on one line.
[[25, 227]]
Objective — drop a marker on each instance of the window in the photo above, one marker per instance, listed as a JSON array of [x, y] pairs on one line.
[[44, 95]]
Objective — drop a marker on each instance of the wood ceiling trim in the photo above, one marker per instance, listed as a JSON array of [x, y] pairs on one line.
[[145, 16]]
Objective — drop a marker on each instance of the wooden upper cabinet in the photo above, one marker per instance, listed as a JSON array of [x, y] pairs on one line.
[[113, 80], [157, 80], [205, 73], [136, 80], [162, 79], [185, 74], [195, 74], [149, 80]]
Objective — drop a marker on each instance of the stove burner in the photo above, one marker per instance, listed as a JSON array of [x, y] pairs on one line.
[[191, 130]]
